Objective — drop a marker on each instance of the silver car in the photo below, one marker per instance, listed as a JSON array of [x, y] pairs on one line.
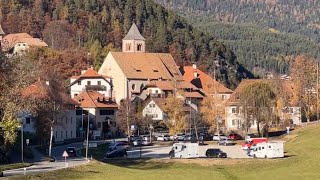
[[226, 142]]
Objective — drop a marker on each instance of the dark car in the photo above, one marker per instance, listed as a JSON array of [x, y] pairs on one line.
[[71, 151], [235, 136], [116, 153], [217, 153], [205, 136]]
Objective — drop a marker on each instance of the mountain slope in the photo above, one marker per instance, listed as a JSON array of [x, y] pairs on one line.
[[99, 26], [261, 33]]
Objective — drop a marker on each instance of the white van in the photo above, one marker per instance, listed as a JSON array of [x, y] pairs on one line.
[[184, 150], [268, 150]]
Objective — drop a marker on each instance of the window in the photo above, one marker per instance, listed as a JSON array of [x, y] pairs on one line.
[[154, 116], [99, 83], [141, 87], [79, 112], [223, 97], [28, 120], [75, 95], [235, 110], [79, 82], [157, 91], [88, 83], [233, 122], [128, 46], [139, 47], [66, 134], [99, 124], [106, 112], [133, 86], [152, 105]]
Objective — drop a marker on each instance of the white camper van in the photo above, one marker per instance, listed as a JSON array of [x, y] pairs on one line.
[[268, 150], [184, 150]]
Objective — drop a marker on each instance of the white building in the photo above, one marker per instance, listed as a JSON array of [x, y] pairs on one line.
[[234, 107], [102, 115], [65, 123], [90, 80], [19, 43], [132, 68]]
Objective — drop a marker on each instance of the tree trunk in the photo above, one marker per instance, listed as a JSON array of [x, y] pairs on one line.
[[258, 128], [50, 143]]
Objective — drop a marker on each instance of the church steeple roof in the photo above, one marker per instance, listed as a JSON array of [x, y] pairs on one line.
[[134, 33], [1, 31]]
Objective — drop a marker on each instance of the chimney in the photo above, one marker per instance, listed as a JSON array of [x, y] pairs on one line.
[[194, 65], [47, 83], [83, 71]]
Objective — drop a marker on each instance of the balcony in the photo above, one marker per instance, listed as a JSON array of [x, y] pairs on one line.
[[95, 88]]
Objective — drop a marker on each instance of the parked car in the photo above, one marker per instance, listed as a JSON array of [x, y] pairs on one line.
[[180, 137], [217, 138], [226, 142], [71, 151], [116, 153], [163, 138], [235, 136], [119, 145], [146, 143], [137, 142], [205, 137], [133, 138], [217, 153]]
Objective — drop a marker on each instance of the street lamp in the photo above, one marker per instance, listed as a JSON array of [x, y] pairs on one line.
[[21, 128], [87, 148]]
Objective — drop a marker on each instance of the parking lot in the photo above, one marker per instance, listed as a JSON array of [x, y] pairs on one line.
[[162, 151]]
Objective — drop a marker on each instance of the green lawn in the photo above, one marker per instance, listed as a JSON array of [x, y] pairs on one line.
[[303, 149], [14, 166]]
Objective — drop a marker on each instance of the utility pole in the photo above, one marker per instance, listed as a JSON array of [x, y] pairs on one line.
[[215, 99], [87, 147], [128, 101], [317, 90]]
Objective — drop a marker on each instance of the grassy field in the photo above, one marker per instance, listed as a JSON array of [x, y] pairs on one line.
[[302, 162], [14, 166]]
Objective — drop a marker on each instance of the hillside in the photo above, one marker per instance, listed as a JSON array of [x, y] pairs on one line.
[[264, 34], [99, 26]]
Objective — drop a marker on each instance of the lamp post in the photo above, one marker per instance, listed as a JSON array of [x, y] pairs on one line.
[[87, 147], [22, 143], [82, 135]]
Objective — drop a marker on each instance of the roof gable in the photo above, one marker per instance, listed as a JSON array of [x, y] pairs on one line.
[[133, 33], [93, 99]]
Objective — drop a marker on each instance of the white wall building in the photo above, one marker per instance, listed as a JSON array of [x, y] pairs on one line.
[[90, 80]]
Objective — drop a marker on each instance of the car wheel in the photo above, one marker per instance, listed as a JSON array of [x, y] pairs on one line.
[[127, 149], [254, 156], [180, 156], [265, 156]]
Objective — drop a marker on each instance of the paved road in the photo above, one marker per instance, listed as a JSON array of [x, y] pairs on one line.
[[41, 166]]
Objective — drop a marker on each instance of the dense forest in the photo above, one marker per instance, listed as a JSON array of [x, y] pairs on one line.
[[98, 26], [267, 34]]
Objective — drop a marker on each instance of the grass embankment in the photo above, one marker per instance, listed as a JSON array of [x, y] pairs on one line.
[[13, 166], [303, 162]]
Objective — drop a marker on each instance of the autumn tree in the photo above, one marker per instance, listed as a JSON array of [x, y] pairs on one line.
[[173, 110], [260, 99], [304, 76]]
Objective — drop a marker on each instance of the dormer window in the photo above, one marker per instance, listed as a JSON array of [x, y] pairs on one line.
[[155, 70]]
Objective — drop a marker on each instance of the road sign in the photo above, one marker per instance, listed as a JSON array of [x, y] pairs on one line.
[[27, 141], [65, 154]]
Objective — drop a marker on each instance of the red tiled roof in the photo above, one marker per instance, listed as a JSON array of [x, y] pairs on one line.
[[147, 65], [41, 90], [89, 73], [12, 39], [192, 95], [203, 81], [93, 99]]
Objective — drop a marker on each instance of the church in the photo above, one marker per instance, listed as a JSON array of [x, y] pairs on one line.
[[133, 68]]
